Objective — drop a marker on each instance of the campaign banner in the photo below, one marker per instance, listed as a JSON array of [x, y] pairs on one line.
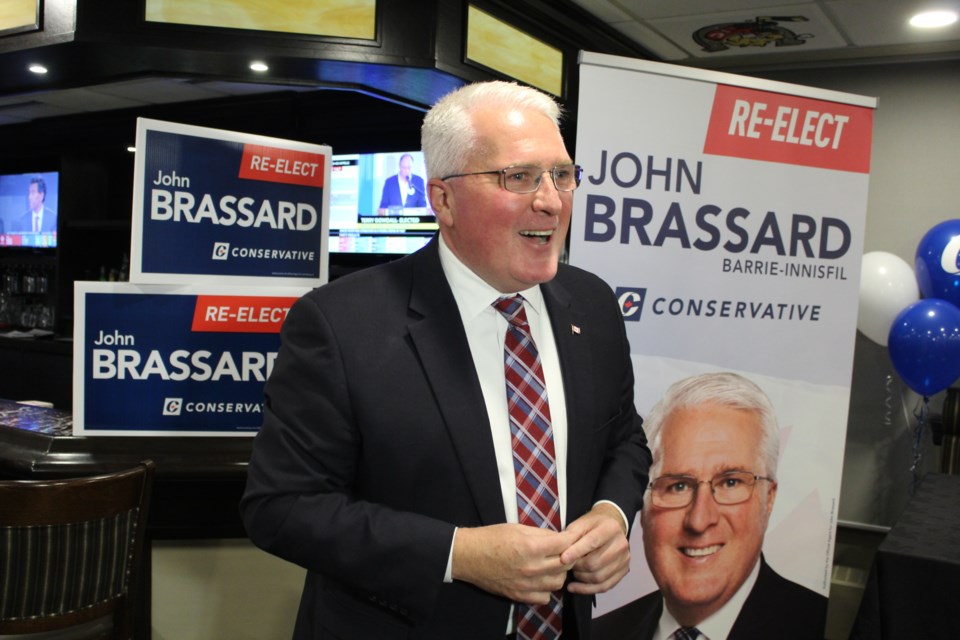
[[178, 360], [728, 215], [220, 206]]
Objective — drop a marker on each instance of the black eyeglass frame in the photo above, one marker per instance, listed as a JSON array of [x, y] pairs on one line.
[[577, 171]]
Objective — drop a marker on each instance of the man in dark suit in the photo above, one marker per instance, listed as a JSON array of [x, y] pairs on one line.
[[715, 444], [405, 189], [774, 608], [385, 464], [39, 217]]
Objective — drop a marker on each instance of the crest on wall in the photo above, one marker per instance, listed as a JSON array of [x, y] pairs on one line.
[[760, 32], [745, 32]]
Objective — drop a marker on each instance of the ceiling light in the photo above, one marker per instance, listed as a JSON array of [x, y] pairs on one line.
[[256, 65], [37, 68], [132, 149], [933, 19]]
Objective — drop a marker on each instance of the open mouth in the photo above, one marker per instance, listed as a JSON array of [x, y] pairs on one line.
[[700, 552], [542, 236]]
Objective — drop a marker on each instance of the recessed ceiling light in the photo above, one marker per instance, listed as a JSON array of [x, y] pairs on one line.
[[933, 19], [37, 68], [259, 66]]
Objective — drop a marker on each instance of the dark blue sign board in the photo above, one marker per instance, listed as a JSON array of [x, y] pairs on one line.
[[221, 206], [174, 360]]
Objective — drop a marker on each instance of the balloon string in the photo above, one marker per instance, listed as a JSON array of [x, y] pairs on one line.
[[888, 402], [921, 413]]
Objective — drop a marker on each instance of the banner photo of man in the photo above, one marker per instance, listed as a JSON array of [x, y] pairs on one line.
[[728, 214], [715, 442]]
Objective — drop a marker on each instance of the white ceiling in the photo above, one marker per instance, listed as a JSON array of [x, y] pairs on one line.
[[828, 32], [822, 31]]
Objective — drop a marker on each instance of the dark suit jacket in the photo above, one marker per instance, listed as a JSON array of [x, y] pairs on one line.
[[391, 193], [775, 608], [25, 222], [375, 445]]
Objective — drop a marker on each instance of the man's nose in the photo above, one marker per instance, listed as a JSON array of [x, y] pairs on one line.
[[547, 197], [703, 511]]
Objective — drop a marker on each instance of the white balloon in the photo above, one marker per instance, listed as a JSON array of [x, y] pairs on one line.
[[888, 285]]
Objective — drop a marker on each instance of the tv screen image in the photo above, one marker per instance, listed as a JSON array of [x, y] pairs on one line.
[[378, 204], [28, 209]]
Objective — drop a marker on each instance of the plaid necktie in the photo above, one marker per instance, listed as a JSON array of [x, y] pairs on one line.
[[534, 459], [687, 633]]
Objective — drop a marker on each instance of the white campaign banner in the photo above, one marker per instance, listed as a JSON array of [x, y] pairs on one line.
[[728, 214]]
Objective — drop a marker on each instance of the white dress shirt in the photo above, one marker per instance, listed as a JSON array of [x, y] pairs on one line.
[[718, 625], [486, 331]]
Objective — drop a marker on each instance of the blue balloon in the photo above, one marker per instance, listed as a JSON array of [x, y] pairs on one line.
[[924, 345], [938, 262]]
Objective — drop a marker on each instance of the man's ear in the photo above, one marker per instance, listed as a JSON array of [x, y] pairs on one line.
[[771, 497], [441, 201]]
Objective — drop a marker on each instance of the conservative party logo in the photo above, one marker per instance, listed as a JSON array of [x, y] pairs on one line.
[[950, 258], [631, 302], [221, 250], [172, 406]]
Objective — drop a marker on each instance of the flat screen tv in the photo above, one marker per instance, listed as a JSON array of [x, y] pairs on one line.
[[378, 205], [28, 209]]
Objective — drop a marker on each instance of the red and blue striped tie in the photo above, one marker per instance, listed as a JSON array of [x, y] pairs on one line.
[[534, 458]]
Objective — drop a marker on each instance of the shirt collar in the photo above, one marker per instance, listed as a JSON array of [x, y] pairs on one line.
[[472, 293], [721, 622]]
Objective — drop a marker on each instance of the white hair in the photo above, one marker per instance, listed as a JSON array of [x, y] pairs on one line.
[[726, 389], [448, 138]]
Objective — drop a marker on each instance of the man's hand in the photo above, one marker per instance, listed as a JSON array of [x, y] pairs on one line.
[[601, 554], [516, 561]]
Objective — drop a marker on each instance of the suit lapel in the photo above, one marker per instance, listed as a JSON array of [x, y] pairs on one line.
[[568, 323], [651, 619], [441, 343]]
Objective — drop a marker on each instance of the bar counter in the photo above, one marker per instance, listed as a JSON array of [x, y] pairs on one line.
[[198, 480]]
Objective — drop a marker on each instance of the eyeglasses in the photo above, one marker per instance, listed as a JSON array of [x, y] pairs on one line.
[[526, 179], [731, 487]]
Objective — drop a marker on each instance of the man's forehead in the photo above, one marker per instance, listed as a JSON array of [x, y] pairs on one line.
[[727, 436], [497, 116], [516, 117], [497, 148], [717, 415]]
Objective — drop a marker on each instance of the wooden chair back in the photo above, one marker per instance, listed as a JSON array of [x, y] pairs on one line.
[[71, 550]]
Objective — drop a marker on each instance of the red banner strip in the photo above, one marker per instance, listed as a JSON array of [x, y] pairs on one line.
[[775, 127], [240, 314]]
